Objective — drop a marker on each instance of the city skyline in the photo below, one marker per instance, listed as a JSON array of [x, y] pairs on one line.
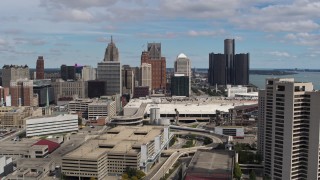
[[277, 34]]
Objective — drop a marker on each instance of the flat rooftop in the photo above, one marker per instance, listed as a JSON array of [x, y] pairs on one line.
[[211, 164], [118, 140], [189, 105], [33, 162]]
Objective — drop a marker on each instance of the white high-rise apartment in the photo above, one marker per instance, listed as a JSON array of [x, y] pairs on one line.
[[109, 70], [146, 75], [291, 130], [182, 65]]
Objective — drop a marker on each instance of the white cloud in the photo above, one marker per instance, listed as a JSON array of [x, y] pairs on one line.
[[196, 33], [280, 54]]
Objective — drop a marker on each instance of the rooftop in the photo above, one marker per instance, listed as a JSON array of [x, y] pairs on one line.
[[118, 140], [211, 164]]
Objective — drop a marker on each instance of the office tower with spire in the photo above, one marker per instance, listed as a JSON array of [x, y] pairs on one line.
[[40, 68], [109, 70], [182, 65], [158, 63], [228, 68], [290, 130]]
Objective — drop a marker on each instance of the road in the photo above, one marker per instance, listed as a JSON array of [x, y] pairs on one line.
[[170, 162], [11, 136]]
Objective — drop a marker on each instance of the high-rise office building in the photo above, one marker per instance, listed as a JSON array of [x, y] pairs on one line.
[[232, 69], [68, 72], [128, 80], [88, 73], [241, 70], [109, 70], [291, 130], [217, 73], [14, 72], [180, 85], [146, 75], [182, 65], [158, 64], [40, 68], [21, 92]]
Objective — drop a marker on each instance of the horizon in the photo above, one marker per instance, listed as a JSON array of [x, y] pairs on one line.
[[276, 34]]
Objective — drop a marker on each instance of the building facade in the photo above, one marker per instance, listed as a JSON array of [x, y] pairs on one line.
[[88, 73], [21, 93], [158, 64], [67, 72], [70, 89], [291, 130], [109, 70], [51, 125], [228, 68], [96, 88], [182, 65], [14, 72], [180, 85], [146, 75], [128, 80], [40, 68]]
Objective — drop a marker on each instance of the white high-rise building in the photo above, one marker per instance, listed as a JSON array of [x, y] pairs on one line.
[[109, 70], [88, 73], [146, 75], [291, 129], [182, 65]]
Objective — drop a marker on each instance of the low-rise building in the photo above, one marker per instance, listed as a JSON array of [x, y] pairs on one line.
[[70, 89], [113, 152], [6, 166], [235, 131], [32, 169], [101, 109], [51, 125], [209, 164], [232, 91]]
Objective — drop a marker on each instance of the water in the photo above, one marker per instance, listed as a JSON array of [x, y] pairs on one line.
[[314, 77]]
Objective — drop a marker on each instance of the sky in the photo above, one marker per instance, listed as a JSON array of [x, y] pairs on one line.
[[277, 34]]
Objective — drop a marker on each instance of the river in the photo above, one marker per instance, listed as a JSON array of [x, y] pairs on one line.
[[314, 77]]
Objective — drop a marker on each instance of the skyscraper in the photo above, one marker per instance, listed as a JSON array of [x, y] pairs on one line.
[[14, 72], [146, 75], [217, 73], [291, 129], [158, 64], [180, 85], [40, 68], [182, 65], [231, 69], [241, 70], [67, 72], [109, 70], [128, 80]]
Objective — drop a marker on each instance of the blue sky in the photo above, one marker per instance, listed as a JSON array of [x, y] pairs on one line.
[[277, 34]]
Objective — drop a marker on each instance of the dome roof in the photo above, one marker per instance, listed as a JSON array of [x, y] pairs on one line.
[[181, 55]]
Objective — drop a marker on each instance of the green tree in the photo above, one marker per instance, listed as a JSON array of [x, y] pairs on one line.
[[134, 178], [140, 174], [237, 173], [125, 176], [252, 175]]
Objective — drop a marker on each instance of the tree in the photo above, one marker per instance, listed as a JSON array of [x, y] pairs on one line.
[[252, 175], [237, 173], [125, 176], [134, 178], [140, 174]]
